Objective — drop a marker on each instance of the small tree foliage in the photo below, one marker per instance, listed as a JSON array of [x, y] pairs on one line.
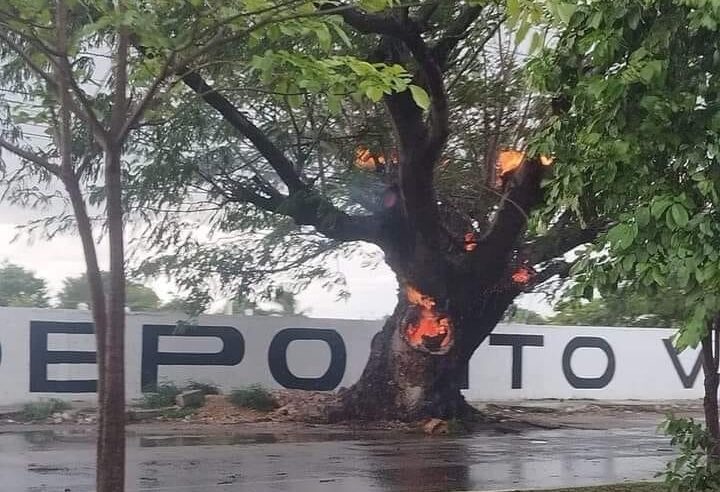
[[20, 287], [635, 93]]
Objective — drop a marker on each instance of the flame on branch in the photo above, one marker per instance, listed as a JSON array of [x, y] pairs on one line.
[[522, 275], [509, 161], [424, 327], [470, 242], [369, 161]]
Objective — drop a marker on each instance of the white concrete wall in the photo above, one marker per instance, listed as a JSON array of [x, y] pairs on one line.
[[643, 366]]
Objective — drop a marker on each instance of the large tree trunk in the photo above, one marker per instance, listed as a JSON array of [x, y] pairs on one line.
[[455, 285], [414, 372]]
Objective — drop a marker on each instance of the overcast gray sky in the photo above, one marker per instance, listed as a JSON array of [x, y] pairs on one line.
[[373, 290]]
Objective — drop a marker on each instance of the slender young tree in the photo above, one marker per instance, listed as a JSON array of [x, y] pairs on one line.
[[76, 80]]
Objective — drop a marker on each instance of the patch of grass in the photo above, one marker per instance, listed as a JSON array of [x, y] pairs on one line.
[[178, 413], [625, 487], [206, 388], [255, 397], [40, 410], [161, 396], [456, 427]]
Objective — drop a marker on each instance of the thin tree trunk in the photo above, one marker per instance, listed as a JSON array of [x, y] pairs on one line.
[[111, 464], [711, 360], [710, 400], [97, 293]]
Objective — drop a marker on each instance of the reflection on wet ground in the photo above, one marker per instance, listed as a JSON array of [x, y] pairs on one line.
[[52, 461]]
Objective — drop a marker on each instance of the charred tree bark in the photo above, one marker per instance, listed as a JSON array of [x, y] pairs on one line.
[[455, 282], [402, 382]]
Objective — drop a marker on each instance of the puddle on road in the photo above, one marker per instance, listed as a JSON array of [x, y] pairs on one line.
[[149, 441], [204, 440]]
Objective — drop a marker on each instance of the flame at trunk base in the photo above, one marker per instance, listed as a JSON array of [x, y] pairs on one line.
[[423, 327]]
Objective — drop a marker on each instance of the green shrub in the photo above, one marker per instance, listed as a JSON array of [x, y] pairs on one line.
[[161, 396], [206, 388], [693, 470], [178, 413], [255, 397], [40, 410]]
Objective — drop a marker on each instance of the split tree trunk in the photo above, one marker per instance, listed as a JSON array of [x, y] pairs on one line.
[[406, 381]]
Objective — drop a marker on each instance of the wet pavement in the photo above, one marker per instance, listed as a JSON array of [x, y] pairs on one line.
[[55, 460]]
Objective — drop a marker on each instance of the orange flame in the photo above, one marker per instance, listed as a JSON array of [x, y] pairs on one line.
[[470, 242], [510, 160], [430, 326], [366, 160], [522, 275]]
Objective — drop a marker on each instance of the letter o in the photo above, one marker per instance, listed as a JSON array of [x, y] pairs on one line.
[[588, 383], [277, 359]]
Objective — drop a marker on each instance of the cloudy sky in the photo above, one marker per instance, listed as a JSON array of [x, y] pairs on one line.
[[373, 290]]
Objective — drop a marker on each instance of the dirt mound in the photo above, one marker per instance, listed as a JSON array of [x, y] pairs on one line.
[[303, 406], [218, 410]]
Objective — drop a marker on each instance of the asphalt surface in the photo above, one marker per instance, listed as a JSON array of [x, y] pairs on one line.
[[54, 460]]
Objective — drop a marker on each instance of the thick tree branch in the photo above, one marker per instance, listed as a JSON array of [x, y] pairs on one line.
[[303, 205], [365, 22], [425, 12], [559, 267], [309, 208], [565, 235], [510, 220], [274, 156]]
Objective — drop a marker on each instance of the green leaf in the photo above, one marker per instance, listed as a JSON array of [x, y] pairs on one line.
[[565, 11], [622, 236], [341, 34], [374, 5], [658, 207], [374, 93], [679, 214], [324, 38], [521, 32], [420, 97], [536, 42]]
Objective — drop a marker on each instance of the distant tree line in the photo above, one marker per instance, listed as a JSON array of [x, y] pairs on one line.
[[21, 287], [622, 308]]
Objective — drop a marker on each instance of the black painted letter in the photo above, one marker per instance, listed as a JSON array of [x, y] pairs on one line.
[[231, 354], [40, 357], [588, 383], [277, 359], [517, 342], [688, 380]]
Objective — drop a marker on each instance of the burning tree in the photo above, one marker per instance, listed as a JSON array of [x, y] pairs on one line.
[[290, 171]]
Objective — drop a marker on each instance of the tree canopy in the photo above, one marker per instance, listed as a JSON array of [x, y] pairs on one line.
[[20, 287], [75, 290], [295, 167]]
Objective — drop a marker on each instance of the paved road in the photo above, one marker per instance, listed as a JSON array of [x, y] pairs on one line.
[[63, 461]]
